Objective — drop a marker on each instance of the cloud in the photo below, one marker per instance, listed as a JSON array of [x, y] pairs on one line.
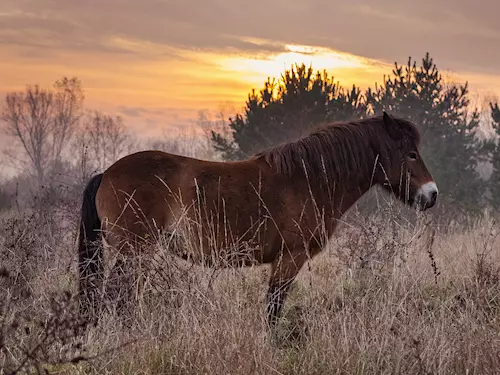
[[94, 25], [145, 112], [457, 32]]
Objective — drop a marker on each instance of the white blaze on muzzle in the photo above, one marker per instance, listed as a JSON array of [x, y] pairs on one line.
[[427, 194]]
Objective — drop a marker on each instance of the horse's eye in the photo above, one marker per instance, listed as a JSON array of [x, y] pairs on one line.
[[412, 155]]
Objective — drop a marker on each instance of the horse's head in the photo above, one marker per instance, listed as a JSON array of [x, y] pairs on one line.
[[404, 173]]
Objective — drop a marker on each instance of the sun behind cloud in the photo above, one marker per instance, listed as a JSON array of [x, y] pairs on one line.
[[348, 69], [274, 65]]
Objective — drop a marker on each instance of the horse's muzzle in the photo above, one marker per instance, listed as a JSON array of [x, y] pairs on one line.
[[426, 196]]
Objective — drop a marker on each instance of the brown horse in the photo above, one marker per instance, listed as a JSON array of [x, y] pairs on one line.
[[282, 204]]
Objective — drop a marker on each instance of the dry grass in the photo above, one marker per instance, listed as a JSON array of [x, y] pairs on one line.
[[383, 298]]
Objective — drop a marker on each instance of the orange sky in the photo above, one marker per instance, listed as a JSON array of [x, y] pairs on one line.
[[159, 63], [184, 82]]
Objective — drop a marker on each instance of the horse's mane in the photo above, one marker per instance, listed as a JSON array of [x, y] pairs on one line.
[[341, 150]]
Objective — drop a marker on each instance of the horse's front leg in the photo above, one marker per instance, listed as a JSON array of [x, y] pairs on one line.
[[284, 269]]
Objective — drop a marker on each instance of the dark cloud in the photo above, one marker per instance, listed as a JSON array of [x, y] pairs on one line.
[[131, 111], [461, 34], [152, 120], [142, 112]]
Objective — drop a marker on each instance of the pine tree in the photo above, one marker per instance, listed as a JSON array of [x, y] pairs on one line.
[[448, 126], [287, 109], [494, 181]]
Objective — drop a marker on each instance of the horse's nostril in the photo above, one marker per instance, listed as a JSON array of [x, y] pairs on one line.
[[434, 196]]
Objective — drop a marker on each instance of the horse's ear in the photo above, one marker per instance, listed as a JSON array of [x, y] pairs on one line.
[[387, 120], [391, 126]]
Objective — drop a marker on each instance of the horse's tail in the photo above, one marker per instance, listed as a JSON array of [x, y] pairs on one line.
[[90, 266]]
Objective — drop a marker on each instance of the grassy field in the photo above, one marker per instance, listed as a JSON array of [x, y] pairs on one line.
[[383, 298]]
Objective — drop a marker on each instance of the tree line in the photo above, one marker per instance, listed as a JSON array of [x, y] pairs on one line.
[[56, 144], [51, 126], [301, 99]]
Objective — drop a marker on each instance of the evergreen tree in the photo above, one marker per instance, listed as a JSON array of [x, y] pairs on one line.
[[450, 147], [286, 110], [494, 181]]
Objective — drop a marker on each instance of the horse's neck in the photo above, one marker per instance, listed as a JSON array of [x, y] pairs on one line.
[[337, 199], [348, 197]]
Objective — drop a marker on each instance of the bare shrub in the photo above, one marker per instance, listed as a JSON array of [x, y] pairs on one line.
[[39, 323], [38, 341]]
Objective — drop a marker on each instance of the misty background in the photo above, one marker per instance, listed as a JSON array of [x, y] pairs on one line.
[[55, 142]]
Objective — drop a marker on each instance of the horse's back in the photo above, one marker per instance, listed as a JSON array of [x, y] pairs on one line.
[[159, 186], [133, 190], [220, 202]]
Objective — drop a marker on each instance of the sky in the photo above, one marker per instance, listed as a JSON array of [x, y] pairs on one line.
[[158, 62]]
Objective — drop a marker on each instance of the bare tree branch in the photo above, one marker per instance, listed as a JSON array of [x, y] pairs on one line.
[[43, 121], [68, 105], [103, 140]]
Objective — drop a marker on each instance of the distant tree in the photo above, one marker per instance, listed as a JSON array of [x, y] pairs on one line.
[[448, 126], [102, 140], [43, 122], [210, 123], [287, 109], [494, 181], [68, 103], [182, 142]]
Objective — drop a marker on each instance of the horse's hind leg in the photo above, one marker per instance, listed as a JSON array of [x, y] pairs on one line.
[[284, 269], [119, 280], [118, 285], [126, 278]]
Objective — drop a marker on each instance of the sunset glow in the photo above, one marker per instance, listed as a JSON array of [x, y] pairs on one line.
[[159, 65], [171, 85]]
